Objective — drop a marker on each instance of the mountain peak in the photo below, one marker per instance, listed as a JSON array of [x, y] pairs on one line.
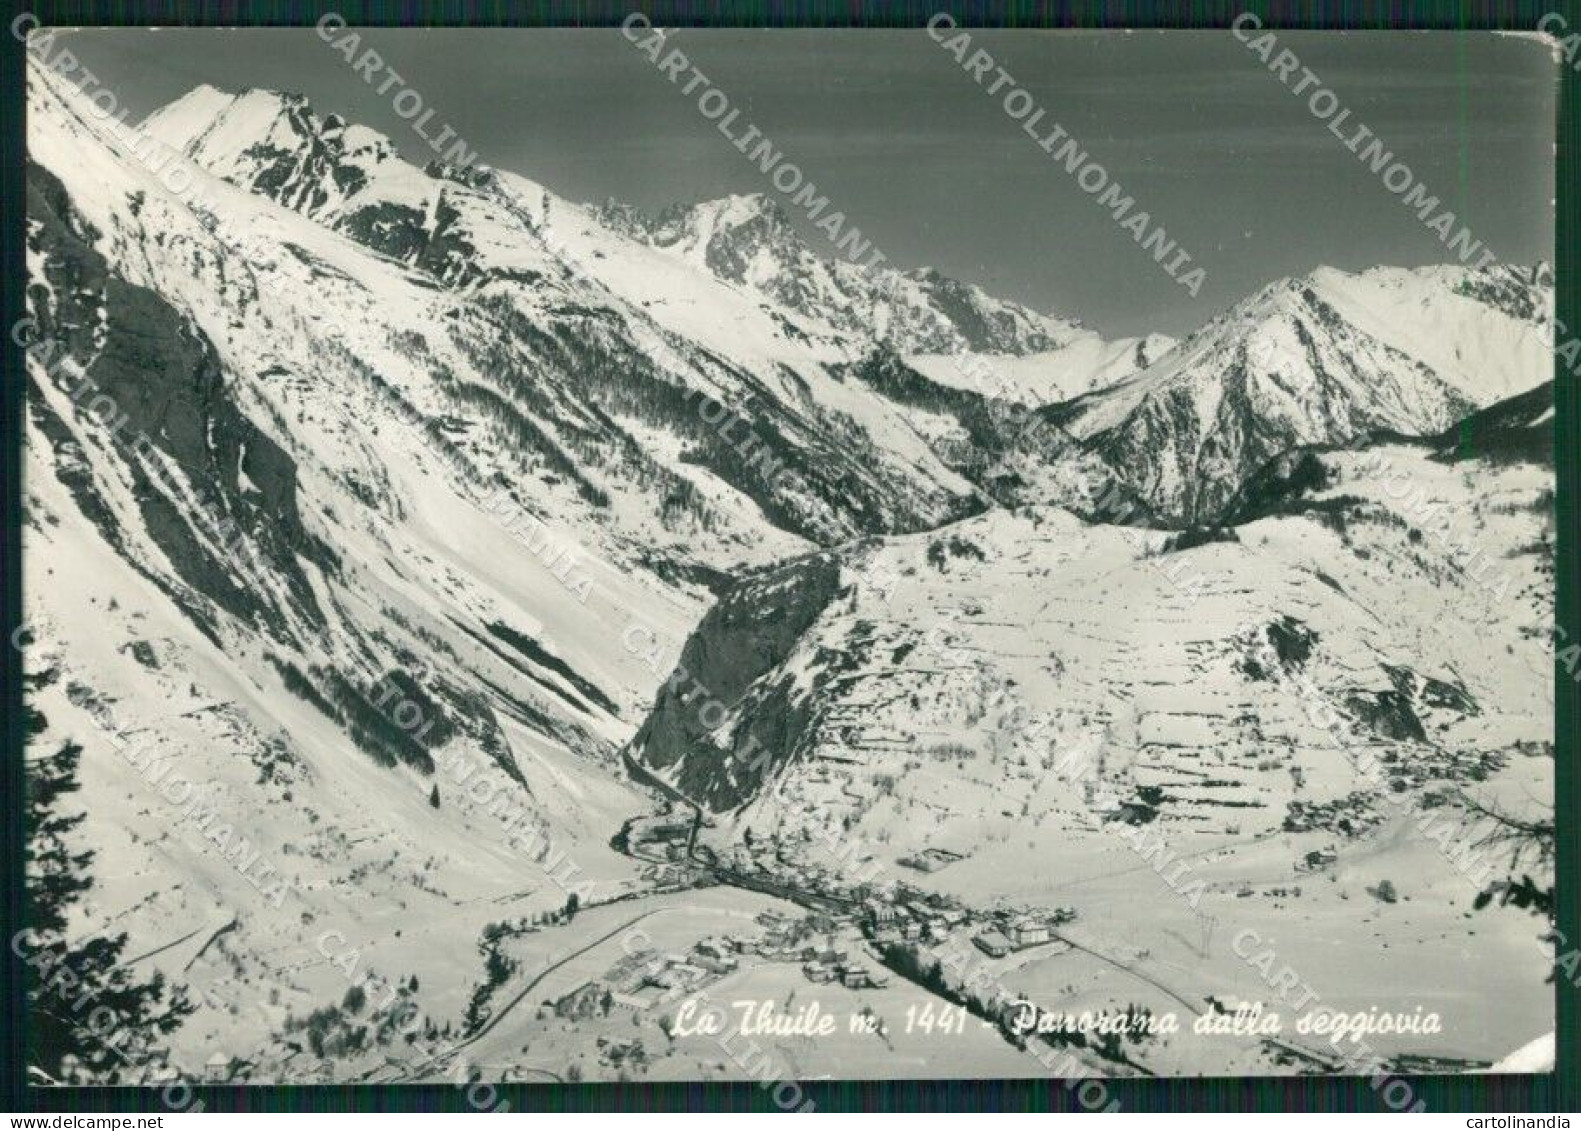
[[271, 141], [745, 208], [728, 214], [283, 97], [1323, 358], [207, 119], [182, 121]]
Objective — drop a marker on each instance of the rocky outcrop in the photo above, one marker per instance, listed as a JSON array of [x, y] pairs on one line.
[[718, 728]]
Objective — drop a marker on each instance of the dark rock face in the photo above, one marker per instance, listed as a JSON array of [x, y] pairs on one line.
[[1279, 486], [1510, 289], [1428, 693], [391, 229], [753, 629], [439, 248], [1388, 713], [985, 330], [155, 386], [1292, 641], [300, 176], [1291, 644]]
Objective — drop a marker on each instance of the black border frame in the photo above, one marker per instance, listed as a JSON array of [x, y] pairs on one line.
[[1560, 1091]]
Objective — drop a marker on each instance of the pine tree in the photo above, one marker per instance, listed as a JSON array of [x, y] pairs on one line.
[[91, 1020], [433, 796]]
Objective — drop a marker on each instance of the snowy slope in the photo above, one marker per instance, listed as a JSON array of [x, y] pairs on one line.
[[748, 240], [1085, 363], [635, 329]]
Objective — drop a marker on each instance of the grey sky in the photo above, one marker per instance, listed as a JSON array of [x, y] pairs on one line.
[[925, 162]]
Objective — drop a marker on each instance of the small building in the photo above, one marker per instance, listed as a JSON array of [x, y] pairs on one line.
[[682, 976], [634, 1003], [716, 964], [856, 978], [219, 1067], [992, 943], [631, 979], [1028, 932]]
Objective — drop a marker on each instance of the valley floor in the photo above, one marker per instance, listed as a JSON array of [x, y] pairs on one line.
[[1135, 940]]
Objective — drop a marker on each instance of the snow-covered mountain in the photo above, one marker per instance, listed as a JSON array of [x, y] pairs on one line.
[[274, 143], [1324, 359], [771, 329], [749, 240], [389, 438], [353, 179], [379, 503], [736, 394], [954, 333], [1084, 362]]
